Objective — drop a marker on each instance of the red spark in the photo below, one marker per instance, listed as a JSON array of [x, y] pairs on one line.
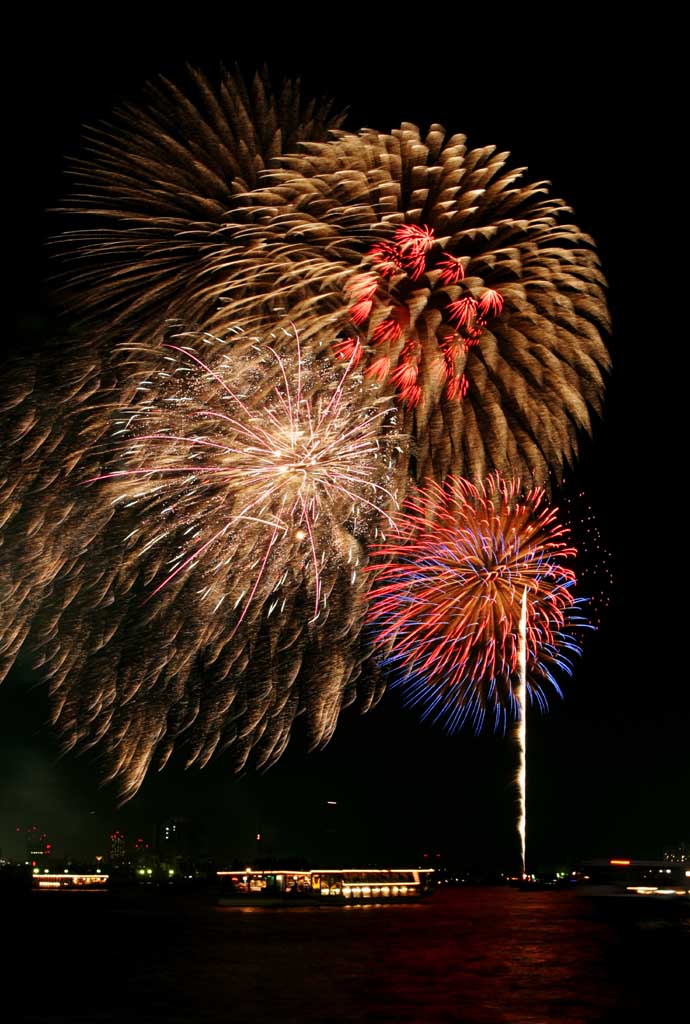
[[360, 310], [452, 269], [405, 379], [363, 286], [349, 349], [388, 330], [413, 239], [491, 303], [462, 311], [414, 243], [386, 257], [457, 386], [379, 369]]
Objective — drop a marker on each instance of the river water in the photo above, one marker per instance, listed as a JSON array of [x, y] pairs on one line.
[[468, 955]]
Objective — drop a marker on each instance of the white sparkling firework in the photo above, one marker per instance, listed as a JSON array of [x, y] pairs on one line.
[[204, 527], [231, 474]]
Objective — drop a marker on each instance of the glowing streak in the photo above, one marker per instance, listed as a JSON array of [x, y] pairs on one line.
[[522, 733]]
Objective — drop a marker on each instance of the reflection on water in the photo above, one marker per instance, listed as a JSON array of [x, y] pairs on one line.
[[474, 956]]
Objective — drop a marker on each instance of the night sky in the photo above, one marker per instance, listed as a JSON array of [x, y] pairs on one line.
[[608, 768]]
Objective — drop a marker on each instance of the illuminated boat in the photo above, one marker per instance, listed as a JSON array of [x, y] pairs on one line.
[[323, 886], [82, 881], [657, 880]]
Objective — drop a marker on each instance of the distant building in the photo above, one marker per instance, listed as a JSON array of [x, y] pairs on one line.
[[117, 847], [679, 854], [174, 842], [142, 849]]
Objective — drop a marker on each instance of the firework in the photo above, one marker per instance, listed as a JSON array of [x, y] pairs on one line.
[[153, 200], [202, 580], [468, 293], [226, 465], [447, 599], [191, 590], [462, 289], [412, 255]]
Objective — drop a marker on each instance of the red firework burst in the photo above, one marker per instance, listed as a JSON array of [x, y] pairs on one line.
[[380, 307], [446, 601]]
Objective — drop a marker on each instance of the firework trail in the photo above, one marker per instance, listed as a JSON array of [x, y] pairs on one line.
[[522, 733], [447, 593], [205, 582], [464, 290]]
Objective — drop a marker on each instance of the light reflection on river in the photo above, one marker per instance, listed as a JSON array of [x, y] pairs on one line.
[[474, 956]]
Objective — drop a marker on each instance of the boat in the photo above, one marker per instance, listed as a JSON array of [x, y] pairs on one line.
[[623, 878], [323, 886], [83, 881]]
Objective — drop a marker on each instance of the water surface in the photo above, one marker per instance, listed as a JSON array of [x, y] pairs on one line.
[[475, 956]]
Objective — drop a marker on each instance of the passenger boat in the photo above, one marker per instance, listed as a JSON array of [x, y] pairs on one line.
[[69, 882], [323, 886], [648, 880]]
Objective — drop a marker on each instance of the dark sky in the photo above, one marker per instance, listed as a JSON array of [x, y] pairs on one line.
[[608, 767]]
